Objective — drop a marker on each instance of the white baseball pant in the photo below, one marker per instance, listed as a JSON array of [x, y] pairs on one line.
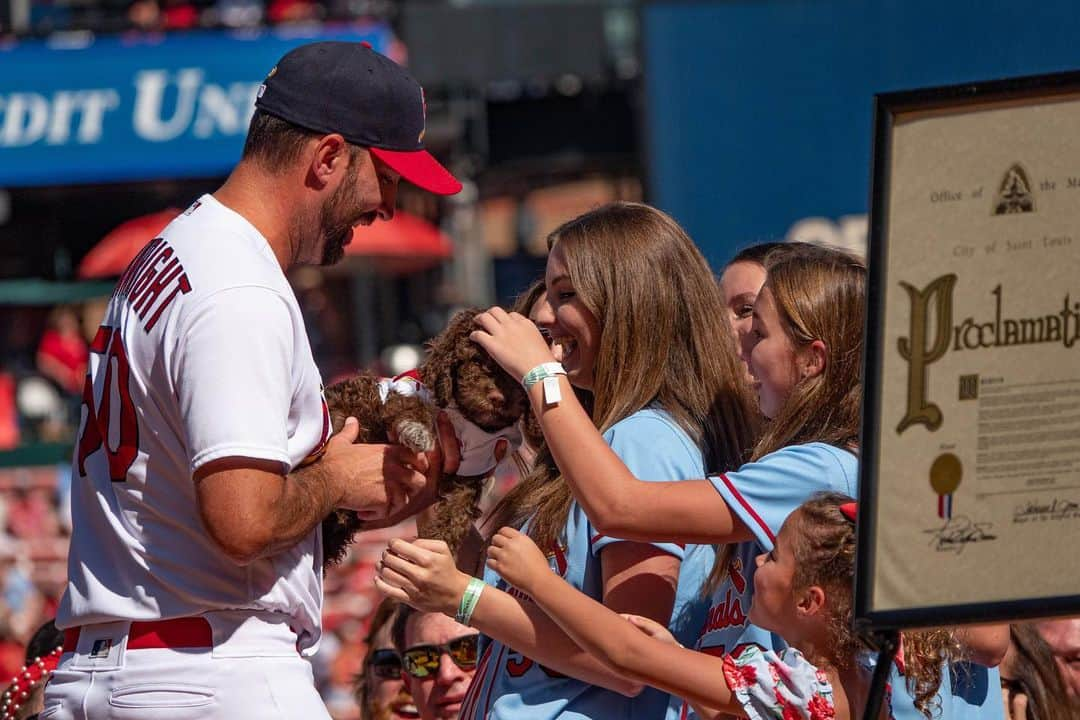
[[252, 670]]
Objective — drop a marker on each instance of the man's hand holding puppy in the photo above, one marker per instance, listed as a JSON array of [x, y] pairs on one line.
[[374, 480], [443, 460], [252, 510]]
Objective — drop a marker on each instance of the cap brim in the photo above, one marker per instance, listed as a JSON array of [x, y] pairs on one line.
[[421, 169]]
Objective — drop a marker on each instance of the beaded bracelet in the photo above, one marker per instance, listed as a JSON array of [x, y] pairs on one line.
[[24, 682], [469, 600]]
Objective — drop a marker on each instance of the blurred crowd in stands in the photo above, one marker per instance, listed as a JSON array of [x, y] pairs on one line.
[[117, 16], [42, 372]]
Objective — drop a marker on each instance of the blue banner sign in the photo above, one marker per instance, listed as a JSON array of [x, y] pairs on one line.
[[126, 108], [759, 112]]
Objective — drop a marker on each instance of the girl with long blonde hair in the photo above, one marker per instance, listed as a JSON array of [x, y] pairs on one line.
[[633, 313], [803, 353]]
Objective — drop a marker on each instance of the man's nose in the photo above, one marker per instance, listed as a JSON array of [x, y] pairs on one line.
[[389, 200], [449, 672]]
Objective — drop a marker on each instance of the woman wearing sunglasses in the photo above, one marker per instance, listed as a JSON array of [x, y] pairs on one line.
[[380, 687], [438, 658]]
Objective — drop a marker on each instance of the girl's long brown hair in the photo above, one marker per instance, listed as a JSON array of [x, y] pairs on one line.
[[1035, 674], [819, 295], [824, 553], [664, 340]]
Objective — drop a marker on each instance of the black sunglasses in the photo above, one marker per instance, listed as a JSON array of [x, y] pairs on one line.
[[385, 664], [422, 661]]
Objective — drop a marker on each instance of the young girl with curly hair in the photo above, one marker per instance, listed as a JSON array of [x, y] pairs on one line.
[[802, 593]]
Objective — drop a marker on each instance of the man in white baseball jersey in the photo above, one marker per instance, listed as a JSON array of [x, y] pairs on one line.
[[204, 463]]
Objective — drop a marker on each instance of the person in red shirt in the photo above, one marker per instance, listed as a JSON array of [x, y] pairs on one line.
[[62, 352]]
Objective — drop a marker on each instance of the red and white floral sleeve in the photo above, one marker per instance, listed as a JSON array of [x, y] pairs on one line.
[[778, 687]]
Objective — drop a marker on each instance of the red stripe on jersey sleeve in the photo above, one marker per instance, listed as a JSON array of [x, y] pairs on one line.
[[749, 509], [468, 703]]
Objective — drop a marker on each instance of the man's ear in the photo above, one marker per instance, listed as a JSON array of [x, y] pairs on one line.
[[329, 158], [812, 360], [811, 601]]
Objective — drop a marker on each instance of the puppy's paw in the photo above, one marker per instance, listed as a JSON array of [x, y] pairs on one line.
[[415, 435]]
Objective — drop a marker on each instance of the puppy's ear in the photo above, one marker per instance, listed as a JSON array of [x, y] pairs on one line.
[[444, 351], [437, 374]]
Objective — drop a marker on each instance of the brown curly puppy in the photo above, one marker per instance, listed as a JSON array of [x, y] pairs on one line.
[[484, 404]]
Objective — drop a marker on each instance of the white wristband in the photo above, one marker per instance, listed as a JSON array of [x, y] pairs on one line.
[[548, 373]]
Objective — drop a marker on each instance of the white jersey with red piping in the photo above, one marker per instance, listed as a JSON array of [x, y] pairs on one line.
[[202, 355]]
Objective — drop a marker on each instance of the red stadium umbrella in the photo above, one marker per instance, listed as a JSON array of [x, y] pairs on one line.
[[405, 244], [113, 252]]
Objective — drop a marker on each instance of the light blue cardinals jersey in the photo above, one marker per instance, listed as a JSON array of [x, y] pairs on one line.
[[762, 494], [508, 685], [968, 691]]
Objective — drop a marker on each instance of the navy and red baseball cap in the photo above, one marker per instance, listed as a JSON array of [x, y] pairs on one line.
[[348, 88]]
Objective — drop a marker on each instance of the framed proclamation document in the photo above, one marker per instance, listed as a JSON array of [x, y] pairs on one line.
[[970, 466]]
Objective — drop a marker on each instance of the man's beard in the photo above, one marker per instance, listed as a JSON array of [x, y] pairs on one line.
[[337, 232], [385, 712]]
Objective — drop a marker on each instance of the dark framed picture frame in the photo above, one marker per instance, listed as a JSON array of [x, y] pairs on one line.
[[969, 499]]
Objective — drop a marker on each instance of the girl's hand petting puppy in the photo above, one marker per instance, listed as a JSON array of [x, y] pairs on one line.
[[518, 560], [513, 340]]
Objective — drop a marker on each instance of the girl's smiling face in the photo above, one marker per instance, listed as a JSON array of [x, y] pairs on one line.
[[770, 356], [574, 330], [740, 284], [773, 607]]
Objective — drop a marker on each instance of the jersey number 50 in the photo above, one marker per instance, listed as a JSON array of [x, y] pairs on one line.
[[109, 343]]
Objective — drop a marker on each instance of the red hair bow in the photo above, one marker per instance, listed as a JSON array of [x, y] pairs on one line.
[[849, 510]]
